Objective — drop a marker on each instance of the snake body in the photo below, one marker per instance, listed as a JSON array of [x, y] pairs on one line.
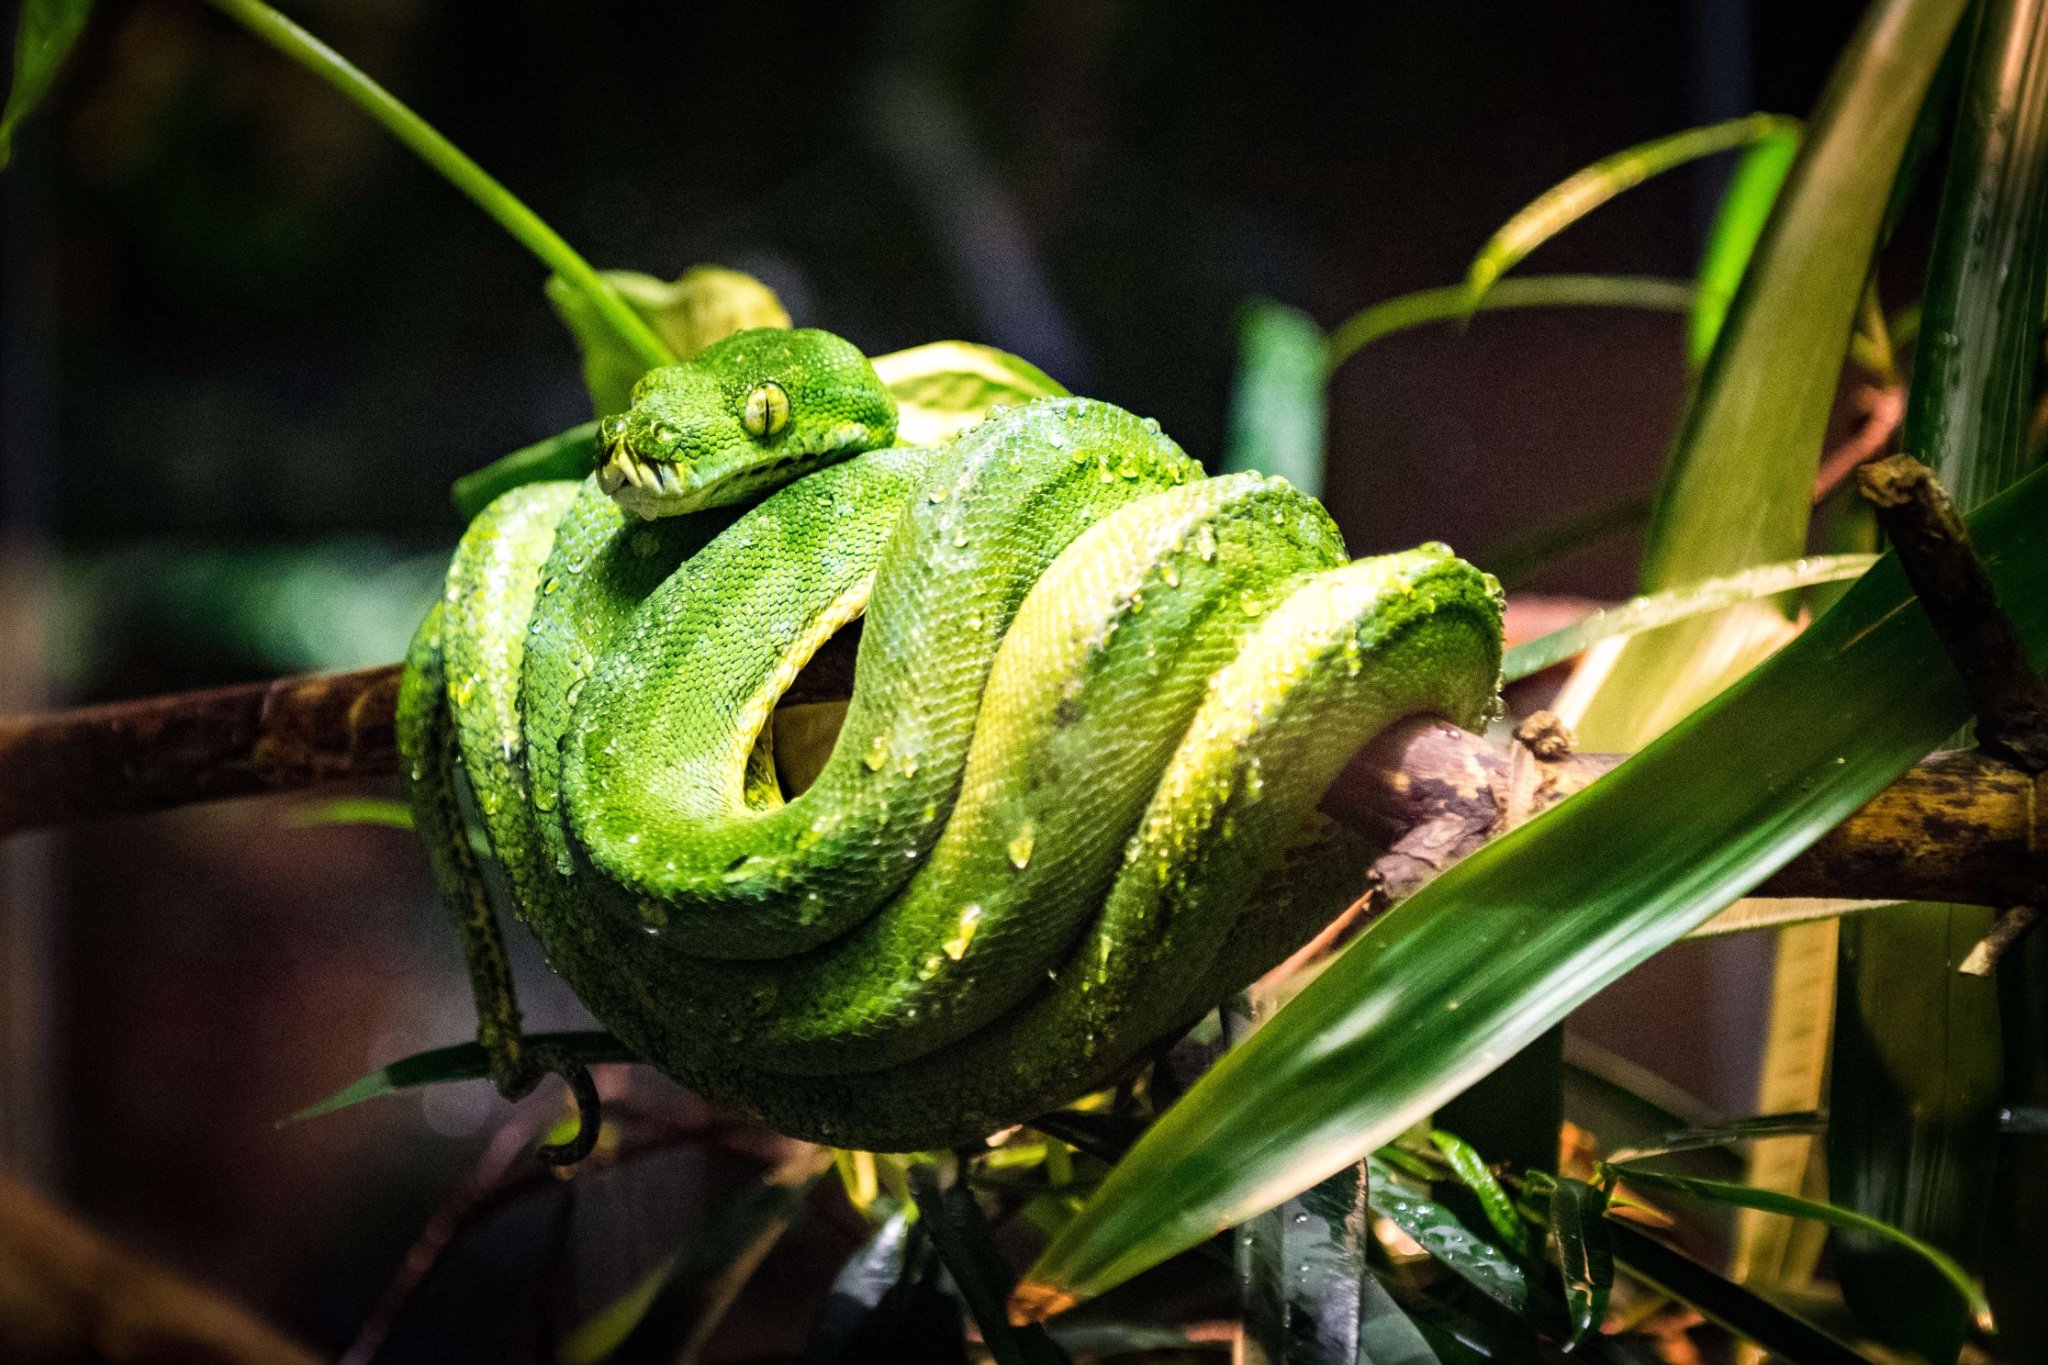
[[1072, 804]]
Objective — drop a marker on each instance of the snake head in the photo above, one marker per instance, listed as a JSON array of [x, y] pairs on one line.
[[751, 413]]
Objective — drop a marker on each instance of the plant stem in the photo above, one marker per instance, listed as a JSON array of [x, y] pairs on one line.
[[444, 156]]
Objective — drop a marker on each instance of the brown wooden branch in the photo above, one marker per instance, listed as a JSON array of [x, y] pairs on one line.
[[1961, 827]]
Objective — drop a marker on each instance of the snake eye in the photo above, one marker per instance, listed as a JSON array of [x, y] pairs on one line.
[[766, 412]]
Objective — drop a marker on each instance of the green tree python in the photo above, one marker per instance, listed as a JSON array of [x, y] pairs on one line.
[[1072, 804]]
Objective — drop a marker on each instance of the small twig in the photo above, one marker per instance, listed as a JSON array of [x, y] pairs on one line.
[[2008, 696], [2005, 935]]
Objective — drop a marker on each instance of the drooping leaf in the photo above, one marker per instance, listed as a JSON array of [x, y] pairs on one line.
[[960, 1232], [1679, 604], [945, 387], [698, 307], [1496, 1202], [1742, 1311], [1745, 206], [1723, 1135], [1276, 406], [462, 1062], [1438, 1231], [1449, 303], [1574, 197], [1578, 1229], [1508, 941], [45, 32], [1770, 1201]]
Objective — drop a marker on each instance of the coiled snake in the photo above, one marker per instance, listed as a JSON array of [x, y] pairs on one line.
[[1073, 801]]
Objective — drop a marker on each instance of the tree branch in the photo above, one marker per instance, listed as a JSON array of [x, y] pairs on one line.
[[1961, 827]]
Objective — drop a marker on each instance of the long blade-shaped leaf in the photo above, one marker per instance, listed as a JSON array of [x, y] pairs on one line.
[[1916, 1067], [1507, 942], [46, 31], [463, 1062], [1574, 197], [1745, 207], [1738, 489], [1771, 1201], [1662, 609], [1276, 407], [1451, 303]]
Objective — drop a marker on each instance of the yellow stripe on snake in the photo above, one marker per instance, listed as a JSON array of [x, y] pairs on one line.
[[1072, 806]]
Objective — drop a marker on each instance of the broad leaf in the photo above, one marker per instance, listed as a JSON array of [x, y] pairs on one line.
[[1578, 1229], [1450, 303], [1507, 942], [1276, 407], [45, 33], [945, 387], [463, 1062], [703, 304], [1438, 1231], [1573, 198]]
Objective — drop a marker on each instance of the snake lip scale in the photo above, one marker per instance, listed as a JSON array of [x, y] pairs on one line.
[[1070, 807]]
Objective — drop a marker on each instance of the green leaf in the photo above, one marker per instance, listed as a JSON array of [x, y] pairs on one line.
[[673, 1318], [1450, 303], [46, 31], [1745, 206], [1438, 1231], [1916, 1069], [1276, 408], [888, 1298], [1519, 556], [1661, 609], [1915, 1080], [1578, 1227], [960, 1232], [1498, 1205], [462, 1062], [571, 454], [945, 387], [1742, 1311], [698, 307], [1574, 197], [1505, 943], [1770, 1201], [352, 810], [1724, 1134], [1738, 489], [1307, 1294]]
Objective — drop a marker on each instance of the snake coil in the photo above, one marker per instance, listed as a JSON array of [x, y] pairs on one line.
[[1072, 802]]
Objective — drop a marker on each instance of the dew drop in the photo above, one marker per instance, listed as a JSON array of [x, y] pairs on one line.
[[877, 755], [933, 965], [1205, 542], [1021, 845], [653, 917], [963, 933]]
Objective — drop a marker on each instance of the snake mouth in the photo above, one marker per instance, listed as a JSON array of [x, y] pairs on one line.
[[624, 469]]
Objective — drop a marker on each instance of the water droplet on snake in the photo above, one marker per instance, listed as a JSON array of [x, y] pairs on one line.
[[1021, 845]]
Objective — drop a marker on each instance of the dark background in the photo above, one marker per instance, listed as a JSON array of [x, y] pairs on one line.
[[248, 342]]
